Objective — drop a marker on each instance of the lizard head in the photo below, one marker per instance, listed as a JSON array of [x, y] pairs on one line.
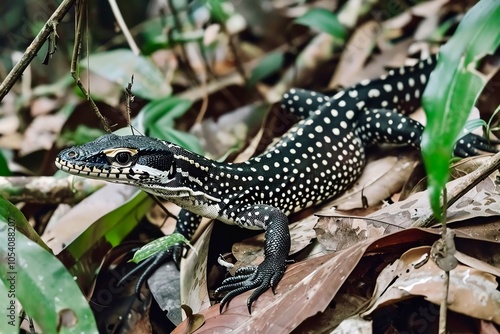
[[136, 160]]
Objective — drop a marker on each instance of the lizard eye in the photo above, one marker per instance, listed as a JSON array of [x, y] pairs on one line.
[[123, 158]]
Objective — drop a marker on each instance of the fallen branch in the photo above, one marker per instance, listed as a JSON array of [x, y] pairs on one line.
[[47, 189]]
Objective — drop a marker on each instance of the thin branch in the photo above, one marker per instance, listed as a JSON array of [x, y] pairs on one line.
[[34, 47], [80, 18], [47, 189], [467, 183], [185, 58], [129, 98], [445, 238], [234, 50], [123, 26], [443, 309]]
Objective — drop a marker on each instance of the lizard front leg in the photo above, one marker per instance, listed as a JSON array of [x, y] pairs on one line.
[[187, 223], [277, 246]]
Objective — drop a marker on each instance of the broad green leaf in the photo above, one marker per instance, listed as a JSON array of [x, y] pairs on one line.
[[32, 275], [470, 126], [119, 65], [159, 245], [4, 168], [323, 20], [159, 119], [268, 65], [10, 322], [453, 89], [105, 233]]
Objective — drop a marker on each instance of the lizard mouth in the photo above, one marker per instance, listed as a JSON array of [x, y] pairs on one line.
[[95, 171]]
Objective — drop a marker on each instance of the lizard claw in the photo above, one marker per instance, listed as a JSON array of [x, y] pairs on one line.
[[265, 276]]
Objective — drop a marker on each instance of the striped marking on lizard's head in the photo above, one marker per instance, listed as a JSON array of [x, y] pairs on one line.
[[134, 160]]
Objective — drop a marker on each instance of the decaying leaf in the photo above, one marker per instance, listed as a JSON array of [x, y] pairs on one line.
[[481, 201], [337, 233], [307, 288], [471, 291], [194, 290]]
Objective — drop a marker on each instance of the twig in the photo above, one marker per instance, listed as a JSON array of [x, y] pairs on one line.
[[185, 59], [34, 47], [47, 189], [123, 26], [443, 308], [79, 17], [129, 97], [234, 50], [468, 182]]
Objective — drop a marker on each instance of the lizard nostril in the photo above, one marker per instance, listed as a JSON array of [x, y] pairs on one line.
[[72, 154]]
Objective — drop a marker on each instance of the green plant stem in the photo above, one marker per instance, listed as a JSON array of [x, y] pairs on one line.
[[34, 47]]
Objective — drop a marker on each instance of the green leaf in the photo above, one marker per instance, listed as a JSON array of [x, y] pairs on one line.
[[470, 126], [324, 21], [220, 10], [125, 210], [10, 323], [82, 134], [119, 65], [453, 89], [38, 280], [4, 168], [268, 65], [159, 119], [159, 245]]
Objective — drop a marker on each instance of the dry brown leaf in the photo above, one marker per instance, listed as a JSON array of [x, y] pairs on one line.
[[417, 181], [308, 287], [336, 233], [194, 290], [356, 325], [41, 133], [43, 105], [357, 51], [342, 307], [393, 57], [194, 321], [471, 291], [481, 201], [477, 264]]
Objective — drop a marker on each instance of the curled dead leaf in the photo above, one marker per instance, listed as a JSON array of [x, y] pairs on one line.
[[471, 291]]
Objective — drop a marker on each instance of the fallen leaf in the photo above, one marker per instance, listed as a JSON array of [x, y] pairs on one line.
[[471, 291], [307, 288], [355, 54], [194, 290]]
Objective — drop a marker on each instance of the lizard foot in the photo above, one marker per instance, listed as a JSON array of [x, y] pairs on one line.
[[265, 276], [147, 267], [471, 144]]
